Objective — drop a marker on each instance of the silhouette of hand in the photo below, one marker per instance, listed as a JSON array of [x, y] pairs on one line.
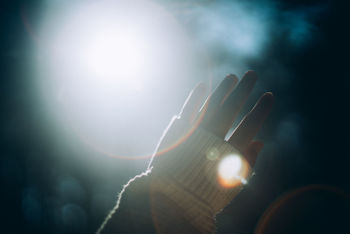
[[184, 176]]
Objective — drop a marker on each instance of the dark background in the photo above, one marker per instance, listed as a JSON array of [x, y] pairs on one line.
[[35, 198]]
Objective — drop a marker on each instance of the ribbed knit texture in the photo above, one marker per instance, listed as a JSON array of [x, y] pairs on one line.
[[188, 178], [182, 194]]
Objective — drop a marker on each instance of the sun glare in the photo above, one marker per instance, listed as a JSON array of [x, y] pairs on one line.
[[116, 55], [231, 171], [103, 64]]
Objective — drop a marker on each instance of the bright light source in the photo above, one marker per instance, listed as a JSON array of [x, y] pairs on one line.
[[116, 55], [230, 167], [231, 171], [115, 71]]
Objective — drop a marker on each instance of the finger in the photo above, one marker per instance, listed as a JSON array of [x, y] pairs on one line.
[[224, 118], [252, 151], [251, 123], [193, 102], [216, 99]]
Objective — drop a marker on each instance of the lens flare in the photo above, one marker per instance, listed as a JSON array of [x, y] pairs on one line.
[[232, 171]]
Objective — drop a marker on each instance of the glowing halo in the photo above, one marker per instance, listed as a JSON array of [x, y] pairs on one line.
[[233, 170], [81, 94], [178, 142]]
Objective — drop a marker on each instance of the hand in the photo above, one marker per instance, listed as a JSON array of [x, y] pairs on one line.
[[182, 176], [224, 106]]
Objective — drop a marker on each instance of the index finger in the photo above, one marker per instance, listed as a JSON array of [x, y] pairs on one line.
[[252, 122], [224, 118]]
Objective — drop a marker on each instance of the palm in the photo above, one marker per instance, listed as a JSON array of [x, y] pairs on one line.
[[222, 108]]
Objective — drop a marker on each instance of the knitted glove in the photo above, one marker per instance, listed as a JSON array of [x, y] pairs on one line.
[[185, 177], [184, 188]]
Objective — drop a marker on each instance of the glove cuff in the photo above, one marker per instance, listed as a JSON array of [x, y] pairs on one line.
[[190, 181], [191, 211]]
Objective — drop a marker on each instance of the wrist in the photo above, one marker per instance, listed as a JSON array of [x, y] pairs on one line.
[[187, 178], [177, 210]]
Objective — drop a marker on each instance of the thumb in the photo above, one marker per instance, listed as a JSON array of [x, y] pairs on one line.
[[252, 151]]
